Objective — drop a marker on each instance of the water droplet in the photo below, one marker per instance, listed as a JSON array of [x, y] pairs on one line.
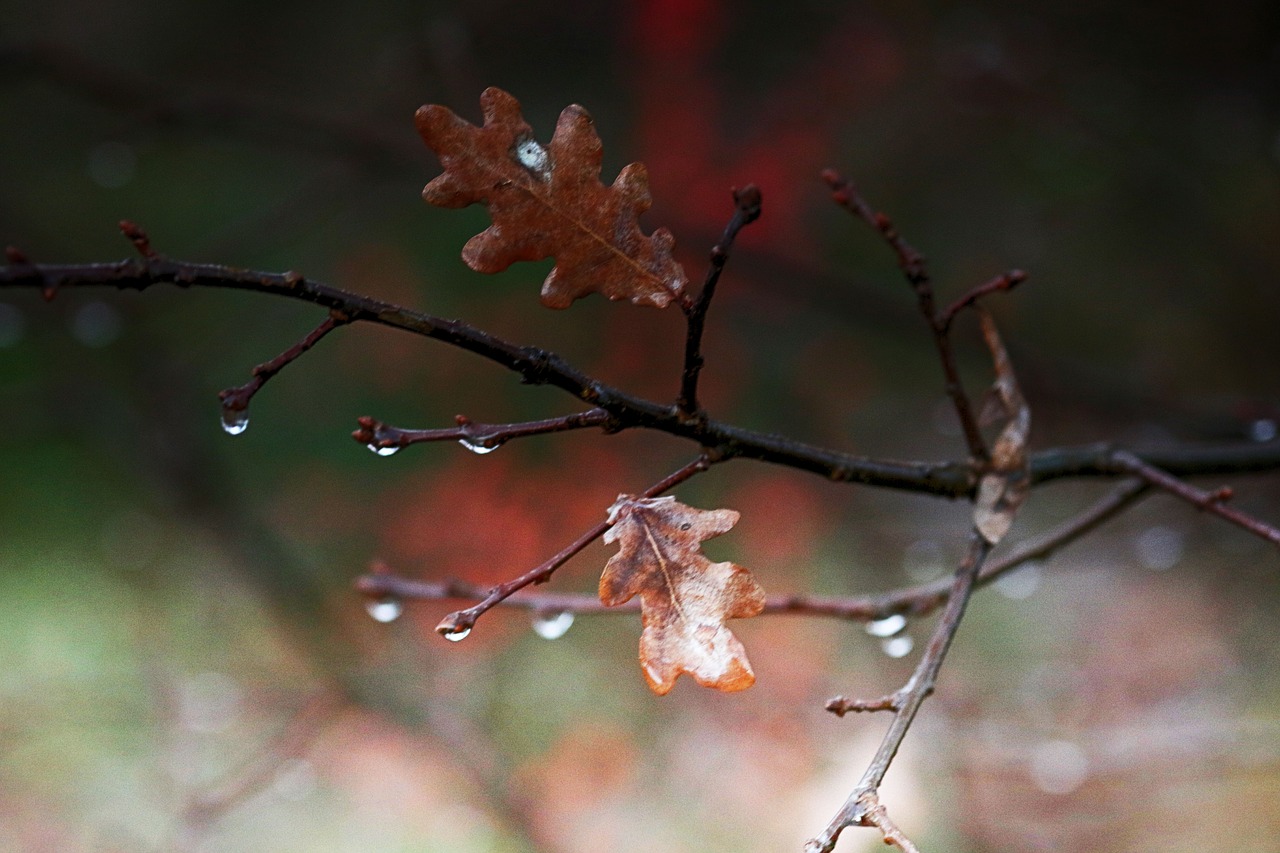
[[1159, 547], [924, 560], [235, 421], [12, 324], [887, 626], [1020, 583], [1263, 429], [384, 451], [533, 156], [96, 324], [458, 636], [481, 447], [385, 609], [898, 647], [1058, 766], [552, 626]]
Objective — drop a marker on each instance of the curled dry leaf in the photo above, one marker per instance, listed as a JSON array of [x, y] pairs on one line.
[[1003, 489], [549, 202], [685, 598]]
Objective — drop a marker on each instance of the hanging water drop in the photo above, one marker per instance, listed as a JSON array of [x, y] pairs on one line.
[[234, 421], [552, 626], [887, 626], [384, 451], [385, 609], [898, 647], [457, 636], [481, 447]]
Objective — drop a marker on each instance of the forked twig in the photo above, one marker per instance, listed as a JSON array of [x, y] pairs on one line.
[[1214, 502], [913, 266], [746, 209], [859, 807], [235, 401], [459, 623]]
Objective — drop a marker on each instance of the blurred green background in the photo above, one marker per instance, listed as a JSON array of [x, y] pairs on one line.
[[183, 663]]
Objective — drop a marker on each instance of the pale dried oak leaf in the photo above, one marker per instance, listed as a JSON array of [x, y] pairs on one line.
[[684, 597], [1003, 489], [549, 202]]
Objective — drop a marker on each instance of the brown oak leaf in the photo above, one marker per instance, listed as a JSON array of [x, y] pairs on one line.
[[549, 202], [1003, 489], [684, 597]]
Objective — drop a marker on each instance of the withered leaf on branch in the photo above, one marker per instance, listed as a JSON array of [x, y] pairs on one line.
[[549, 202], [684, 597], [1003, 489]]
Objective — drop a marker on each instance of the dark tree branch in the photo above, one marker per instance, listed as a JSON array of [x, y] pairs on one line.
[[948, 479], [458, 624], [746, 210], [384, 439]]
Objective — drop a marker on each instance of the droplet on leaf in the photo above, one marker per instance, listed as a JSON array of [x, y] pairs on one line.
[[552, 626], [898, 647], [888, 626], [548, 201], [385, 609], [534, 157]]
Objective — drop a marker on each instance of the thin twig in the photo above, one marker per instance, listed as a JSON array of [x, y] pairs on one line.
[[913, 266], [1004, 281], [1214, 502], [460, 622], [856, 810], [840, 705], [876, 815], [235, 401], [384, 438], [133, 231], [746, 210]]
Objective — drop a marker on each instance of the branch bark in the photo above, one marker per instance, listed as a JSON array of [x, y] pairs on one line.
[[951, 479]]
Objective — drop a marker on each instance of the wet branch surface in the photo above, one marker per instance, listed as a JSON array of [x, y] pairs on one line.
[[460, 622], [948, 478]]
